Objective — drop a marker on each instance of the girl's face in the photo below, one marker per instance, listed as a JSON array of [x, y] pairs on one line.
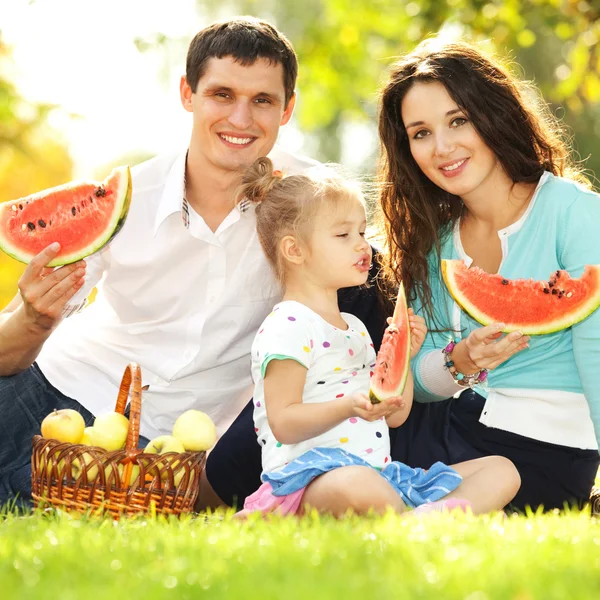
[[444, 142], [339, 255]]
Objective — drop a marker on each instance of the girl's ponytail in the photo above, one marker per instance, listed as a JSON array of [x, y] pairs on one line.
[[259, 180]]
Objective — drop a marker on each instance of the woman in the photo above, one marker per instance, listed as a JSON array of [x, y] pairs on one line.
[[472, 169]]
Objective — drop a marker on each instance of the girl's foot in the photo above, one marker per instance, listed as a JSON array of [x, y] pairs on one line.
[[441, 506]]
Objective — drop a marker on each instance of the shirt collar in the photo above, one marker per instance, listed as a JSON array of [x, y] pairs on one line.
[[173, 194]]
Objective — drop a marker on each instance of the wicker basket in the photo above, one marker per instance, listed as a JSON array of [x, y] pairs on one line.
[[75, 477], [595, 501]]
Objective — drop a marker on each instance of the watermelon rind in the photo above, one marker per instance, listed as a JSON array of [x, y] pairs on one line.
[[450, 269], [379, 392], [123, 192]]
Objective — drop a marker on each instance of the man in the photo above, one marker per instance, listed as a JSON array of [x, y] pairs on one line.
[[184, 286]]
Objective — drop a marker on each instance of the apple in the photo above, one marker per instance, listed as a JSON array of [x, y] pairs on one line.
[[80, 464], [164, 443], [161, 445], [135, 472], [109, 431], [65, 425], [86, 438], [195, 430]]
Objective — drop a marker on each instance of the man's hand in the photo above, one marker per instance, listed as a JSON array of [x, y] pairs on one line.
[[46, 291]]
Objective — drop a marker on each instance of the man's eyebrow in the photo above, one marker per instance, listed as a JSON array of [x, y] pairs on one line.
[[448, 114]]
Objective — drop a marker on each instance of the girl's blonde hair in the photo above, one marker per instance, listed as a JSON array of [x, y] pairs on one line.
[[289, 205]]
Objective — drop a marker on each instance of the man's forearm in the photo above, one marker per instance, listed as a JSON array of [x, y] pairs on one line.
[[20, 342]]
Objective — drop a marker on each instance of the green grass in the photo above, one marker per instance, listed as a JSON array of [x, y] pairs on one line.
[[441, 557]]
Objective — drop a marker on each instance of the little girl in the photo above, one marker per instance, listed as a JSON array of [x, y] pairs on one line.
[[324, 444]]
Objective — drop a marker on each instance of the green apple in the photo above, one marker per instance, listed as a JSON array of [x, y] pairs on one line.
[[64, 425], [195, 430], [109, 431], [86, 438], [135, 471], [81, 464], [163, 444]]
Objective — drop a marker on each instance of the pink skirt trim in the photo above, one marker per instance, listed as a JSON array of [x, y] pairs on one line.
[[264, 501]]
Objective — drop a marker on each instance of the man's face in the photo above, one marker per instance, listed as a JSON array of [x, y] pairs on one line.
[[237, 111]]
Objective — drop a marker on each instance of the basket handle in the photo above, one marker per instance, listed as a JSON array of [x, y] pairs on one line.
[[131, 386]]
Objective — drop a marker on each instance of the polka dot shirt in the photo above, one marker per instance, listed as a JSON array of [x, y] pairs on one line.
[[339, 363]]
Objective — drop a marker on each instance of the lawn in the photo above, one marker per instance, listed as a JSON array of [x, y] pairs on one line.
[[441, 557]]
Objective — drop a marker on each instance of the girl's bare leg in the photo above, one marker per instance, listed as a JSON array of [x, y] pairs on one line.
[[489, 483], [359, 489]]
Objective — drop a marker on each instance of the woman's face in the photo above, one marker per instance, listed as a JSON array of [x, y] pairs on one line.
[[444, 142]]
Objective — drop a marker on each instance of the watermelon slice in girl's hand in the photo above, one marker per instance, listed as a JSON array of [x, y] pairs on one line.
[[532, 307], [393, 359], [82, 216]]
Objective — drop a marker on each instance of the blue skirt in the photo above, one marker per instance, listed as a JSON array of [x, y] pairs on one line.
[[415, 486]]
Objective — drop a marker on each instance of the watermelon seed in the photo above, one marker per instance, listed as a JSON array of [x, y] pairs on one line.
[[14, 207], [31, 226], [554, 291], [91, 200], [569, 294], [73, 211], [551, 284], [546, 291], [20, 206], [41, 223], [23, 227], [505, 282], [100, 192]]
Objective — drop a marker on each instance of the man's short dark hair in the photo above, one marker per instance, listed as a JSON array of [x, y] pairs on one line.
[[245, 39]]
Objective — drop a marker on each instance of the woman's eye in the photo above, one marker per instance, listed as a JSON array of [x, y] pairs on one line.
[[458, 121], [420, 134], [342, 235], [363, 233]]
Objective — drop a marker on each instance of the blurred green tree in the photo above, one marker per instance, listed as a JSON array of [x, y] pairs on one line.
[[345, 47]]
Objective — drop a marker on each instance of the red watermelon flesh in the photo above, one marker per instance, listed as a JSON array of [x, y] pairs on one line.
[[81, 216], [393, 359], [532, 307]]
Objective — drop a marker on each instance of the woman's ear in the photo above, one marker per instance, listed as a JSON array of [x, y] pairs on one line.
[[291, 250]]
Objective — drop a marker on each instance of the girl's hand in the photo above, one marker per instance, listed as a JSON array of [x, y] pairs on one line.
[[418, 331], [362, 407], [486, 348]]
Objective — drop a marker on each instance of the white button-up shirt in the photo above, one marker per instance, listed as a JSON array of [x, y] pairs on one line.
[[184, 303]]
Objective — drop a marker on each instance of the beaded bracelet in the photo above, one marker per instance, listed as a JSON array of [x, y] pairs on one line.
[[460, 378]]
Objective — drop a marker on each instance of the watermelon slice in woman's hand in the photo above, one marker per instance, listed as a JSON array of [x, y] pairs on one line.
[[82, 216], [525, 305]]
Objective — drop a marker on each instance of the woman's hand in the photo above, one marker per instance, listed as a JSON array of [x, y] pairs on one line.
[[362, 407], [418, 331], [486, 348]]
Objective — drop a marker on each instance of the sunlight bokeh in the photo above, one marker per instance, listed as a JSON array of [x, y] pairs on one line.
[[82, 56]]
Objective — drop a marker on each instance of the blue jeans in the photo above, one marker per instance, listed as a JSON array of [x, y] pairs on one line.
[[25, 399]]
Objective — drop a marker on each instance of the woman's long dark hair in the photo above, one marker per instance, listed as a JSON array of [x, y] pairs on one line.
[[415, 213]]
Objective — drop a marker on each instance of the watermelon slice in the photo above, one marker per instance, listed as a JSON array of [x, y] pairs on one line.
[[82, 216], [393, 359], [532, 307]]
